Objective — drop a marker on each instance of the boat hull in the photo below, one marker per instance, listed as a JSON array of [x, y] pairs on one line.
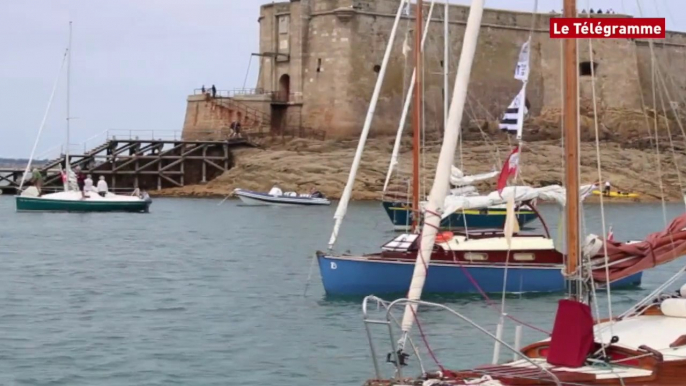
[[262, 199], [361, 276], [401, 217], [37, 204]]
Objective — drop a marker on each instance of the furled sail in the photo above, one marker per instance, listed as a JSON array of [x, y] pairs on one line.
[[629, 258], [554, 193], [457, 177]]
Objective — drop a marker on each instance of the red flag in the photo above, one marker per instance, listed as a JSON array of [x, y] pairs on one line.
[[509, 169]]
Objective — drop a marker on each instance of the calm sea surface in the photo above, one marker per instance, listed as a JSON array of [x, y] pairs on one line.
[[200, 294]]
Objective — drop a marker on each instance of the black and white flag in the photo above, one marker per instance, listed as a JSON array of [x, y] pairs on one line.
[[513, 119]]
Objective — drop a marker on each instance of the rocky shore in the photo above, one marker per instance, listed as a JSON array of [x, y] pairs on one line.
[[627, 153], [299, 164]]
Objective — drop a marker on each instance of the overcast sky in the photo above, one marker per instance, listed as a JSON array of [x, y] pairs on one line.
[[135, 61]]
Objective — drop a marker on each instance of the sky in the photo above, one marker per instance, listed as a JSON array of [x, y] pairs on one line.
[[134, 62]]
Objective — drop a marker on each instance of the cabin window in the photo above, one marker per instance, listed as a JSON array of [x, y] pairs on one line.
[[524, 257], [471, 256], [588, 68]]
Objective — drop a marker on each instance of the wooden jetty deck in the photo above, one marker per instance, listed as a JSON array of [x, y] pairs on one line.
[[144, 163]]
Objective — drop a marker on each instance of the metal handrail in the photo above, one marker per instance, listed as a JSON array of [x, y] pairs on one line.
[[405, 301], [367, 322], [231, 93]]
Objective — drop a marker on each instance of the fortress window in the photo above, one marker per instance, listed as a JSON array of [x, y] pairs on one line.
[[441, 64], [377, 68], [588, 68], [319, 65]]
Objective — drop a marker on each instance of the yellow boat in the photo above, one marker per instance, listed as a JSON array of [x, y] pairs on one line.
[[616, 194]]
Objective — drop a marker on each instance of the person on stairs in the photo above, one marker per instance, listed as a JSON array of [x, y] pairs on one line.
[[102, 186]]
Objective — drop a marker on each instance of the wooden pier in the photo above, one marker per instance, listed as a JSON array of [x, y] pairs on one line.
[[148, 164]]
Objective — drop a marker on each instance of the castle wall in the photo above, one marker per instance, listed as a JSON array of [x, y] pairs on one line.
[[331, 51]]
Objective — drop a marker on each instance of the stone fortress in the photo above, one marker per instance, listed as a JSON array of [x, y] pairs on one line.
[[319, 60]]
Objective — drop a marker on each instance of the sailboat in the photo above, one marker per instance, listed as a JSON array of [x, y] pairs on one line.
[[644, 346], [401, 212], [72, 199], [486, 260]]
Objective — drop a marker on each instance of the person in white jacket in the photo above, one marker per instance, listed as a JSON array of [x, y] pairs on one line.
[[102, 186]]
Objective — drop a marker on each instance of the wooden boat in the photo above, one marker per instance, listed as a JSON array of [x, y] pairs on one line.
[[283, 199], [644, 346], [462, 262]]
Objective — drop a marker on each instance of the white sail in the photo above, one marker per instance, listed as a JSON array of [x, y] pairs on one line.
[[406, 106], [445, 160], [457, 177], [27, 172], [342, 208], [554, 193]]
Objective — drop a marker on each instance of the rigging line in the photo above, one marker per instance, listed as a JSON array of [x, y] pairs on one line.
[[669, 133], [42, 125], [562, 117], [600, 179], [655, 123], [245, 80], [484, 136]]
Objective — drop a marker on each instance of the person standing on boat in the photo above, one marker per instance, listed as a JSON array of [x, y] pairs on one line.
[[80, 180], [214, 91], [607, 188], [37, 179], [102, 186]]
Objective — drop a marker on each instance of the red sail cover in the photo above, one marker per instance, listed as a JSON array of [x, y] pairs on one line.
[[572, 338], [657, 249]]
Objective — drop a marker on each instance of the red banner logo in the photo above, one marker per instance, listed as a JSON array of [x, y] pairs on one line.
[[607, 28]]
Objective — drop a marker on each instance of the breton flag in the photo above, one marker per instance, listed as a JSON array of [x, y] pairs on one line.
[[509, 169], [513, 119]]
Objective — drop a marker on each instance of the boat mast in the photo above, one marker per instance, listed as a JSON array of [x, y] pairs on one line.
[[417, 113], [570, 110], [342, 208], [439, 190], [446, 68], [67, 164]]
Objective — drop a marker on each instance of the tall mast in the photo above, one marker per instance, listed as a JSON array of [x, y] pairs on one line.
[[571, 123], [67, 164], [446, 64], [417, 112]]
